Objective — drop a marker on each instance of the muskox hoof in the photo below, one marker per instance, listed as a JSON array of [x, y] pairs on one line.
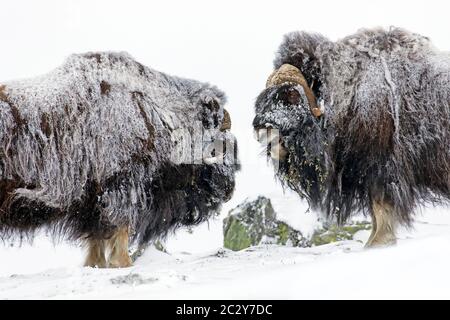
[[383, 225], [95, 264], [379, 243], [122, 262]]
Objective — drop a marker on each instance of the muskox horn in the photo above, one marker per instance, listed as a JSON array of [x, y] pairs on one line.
[[288, 73], [226, 122]]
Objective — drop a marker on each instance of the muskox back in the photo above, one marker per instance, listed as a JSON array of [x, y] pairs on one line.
[[390, 116], [85, 149]]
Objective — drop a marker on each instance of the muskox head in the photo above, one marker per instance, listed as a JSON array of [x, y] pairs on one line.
[[204, 137], [219, 149], [286, 103], [219, 145], [203, 163], [289, 122]]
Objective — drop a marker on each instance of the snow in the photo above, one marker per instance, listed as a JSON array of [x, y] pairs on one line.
[[229, 44], [416, 268]]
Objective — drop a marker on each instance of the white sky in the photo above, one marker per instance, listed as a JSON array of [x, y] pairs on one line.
[[228, 43]]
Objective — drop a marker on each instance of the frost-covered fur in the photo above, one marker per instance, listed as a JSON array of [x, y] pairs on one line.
[[385, 132], [88, 148]]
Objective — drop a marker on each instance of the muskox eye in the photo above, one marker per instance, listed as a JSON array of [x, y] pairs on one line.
[[293, 96], [290, 96]]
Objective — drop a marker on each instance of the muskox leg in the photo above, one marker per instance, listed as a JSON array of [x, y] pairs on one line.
[[96, 254], [383, 225], [118, 246], [374, 230]]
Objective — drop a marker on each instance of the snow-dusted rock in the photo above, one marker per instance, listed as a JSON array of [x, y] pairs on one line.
[[255, 222], [334, 233]]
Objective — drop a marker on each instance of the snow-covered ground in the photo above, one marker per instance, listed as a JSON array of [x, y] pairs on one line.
[[230, 44], [418, 267]]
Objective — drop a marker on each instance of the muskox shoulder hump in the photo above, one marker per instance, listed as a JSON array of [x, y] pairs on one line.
[[106, 57], [393, 39]]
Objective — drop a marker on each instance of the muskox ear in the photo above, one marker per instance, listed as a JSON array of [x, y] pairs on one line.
[[300, 49]]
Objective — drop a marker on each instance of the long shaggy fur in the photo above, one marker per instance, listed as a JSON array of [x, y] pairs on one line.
[[88, 148], [385, 133]]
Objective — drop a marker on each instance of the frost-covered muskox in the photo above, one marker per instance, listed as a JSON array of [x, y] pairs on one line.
[[105, 150], [364, 124]]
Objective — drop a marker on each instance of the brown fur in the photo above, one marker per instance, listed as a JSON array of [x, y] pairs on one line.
[[118, 246], [7, 188], [105, 87], [45, 125], [96, 254], [137, 97], [20, 121]]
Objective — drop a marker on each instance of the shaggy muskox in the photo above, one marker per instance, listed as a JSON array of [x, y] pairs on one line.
[[364, 124], [105, 149]]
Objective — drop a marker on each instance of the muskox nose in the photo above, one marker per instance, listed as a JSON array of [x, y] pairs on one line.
[[226, 122]]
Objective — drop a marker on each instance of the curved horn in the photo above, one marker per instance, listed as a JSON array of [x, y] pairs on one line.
[[226, 123], [288, 73]]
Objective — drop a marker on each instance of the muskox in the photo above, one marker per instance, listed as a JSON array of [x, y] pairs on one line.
[[363, 124], [106, 150]]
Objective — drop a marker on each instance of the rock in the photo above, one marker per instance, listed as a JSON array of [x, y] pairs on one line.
[[254, 222], [286, 235], [335, 233]]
